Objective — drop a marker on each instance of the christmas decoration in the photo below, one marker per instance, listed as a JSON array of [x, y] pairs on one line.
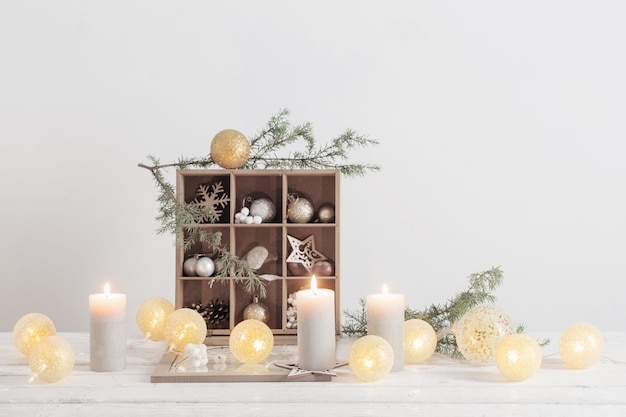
[[230, 149], [204, 266], [581, 345], [420, 341], [256, 256], [292, 312], [263, 208], [30, 329], [299, 209], [326, 213], [216, 313], [151, 316], [518, 357], [323, 268], [196, 355], [244, 217], [184, 326], [251, 341], [479, 332], [52, 359], [213, 199], [185, 220], [370, 358], [256, 311], [189, 266], [303, 252]]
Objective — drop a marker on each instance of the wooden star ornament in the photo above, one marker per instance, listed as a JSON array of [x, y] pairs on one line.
[[304, 252]]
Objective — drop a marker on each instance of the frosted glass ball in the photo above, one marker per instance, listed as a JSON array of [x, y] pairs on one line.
[[30, 329], [420, 341], [251, 341], [518, 357], [581, 345], [184, 326], [370, 358], [479, 332], [51, 359], [151, 315]]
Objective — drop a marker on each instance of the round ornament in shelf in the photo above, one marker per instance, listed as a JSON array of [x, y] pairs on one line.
[[324, 268], [230, 149], [204, 266], [189, 266], [326, 213], [299, 209], [264, 208], [257, 311]]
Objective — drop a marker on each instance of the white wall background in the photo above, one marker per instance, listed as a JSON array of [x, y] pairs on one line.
[[501, 127]]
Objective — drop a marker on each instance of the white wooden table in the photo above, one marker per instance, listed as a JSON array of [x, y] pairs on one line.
[[441, 387]]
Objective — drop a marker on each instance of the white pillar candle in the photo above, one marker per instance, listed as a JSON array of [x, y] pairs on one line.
[[385, 318], [107, 331], [316, 328]]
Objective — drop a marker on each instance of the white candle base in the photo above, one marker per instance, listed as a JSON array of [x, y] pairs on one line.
[[107, 346]]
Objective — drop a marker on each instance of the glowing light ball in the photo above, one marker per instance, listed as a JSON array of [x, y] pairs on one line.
[[230, 149], [184, 326], [480, 331], [251, 341], [420, 341], [51, 359], [151, 316], [518, 357], [30, 329], [370, 358], [581, 345]]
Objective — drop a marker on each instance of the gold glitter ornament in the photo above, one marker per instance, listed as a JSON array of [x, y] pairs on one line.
[[30, 329], [299, 209], [370, 358], [420, 341], [51, 359], [251, 341], [184, 326], [518, 357], [256, 311], [151, 316], [230, 149], [479, 332], [581, 345]]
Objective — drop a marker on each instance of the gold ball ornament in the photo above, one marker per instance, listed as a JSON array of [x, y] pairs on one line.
[[420, 341], [151, 316], [326, 213], [479, 332], [30, 329], [581, 345], [518, 357], [230, 149], [52, 359], [370, 358], [299, 209], [256, 311], [251, 341], [184, 326]]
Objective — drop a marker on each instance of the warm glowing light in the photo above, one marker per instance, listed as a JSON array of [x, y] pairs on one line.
[[184, 326], [518, 357], [479, 332], [251, 341], [370, 358], [581, 345], [385, 289], [107, 289], [313, 283], [151, 316], [51, 359], [30, 330], [420, 341]]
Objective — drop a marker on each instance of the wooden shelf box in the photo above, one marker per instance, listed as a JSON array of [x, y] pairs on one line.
[[317, 186]]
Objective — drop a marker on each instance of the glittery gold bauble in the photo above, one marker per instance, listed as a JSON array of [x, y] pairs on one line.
[[420, 341], [479, 332], [251, 341], [581, 345], [30, 330], [230, 149], [184, 326], [256, 311], [326, 213], [51, 359], [151, 316], [518, 357], [299, 209], [370, 358]]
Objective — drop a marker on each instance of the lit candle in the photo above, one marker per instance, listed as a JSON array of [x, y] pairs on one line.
[[107, 331], [385, 318], [316, 328]]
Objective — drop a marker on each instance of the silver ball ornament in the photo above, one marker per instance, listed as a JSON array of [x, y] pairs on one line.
[[204, 266], [189, 266], [299, 210], [264, 208]]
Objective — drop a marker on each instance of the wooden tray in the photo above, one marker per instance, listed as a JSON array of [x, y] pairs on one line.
[[277, 368]]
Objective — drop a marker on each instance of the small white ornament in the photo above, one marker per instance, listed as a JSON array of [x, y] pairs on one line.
[[245, 211], [257, 220], [205, 267]]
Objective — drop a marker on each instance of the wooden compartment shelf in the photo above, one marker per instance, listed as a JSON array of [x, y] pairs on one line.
[[282, 276]]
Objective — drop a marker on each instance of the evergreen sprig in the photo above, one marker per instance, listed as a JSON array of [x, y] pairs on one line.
[[440, 316], [185, 220]]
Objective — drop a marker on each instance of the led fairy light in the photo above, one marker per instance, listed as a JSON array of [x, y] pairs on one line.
[[581, 345]]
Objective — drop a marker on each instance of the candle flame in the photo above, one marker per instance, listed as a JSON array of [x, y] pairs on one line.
[[385, 289], [107, 289], [313, 283]]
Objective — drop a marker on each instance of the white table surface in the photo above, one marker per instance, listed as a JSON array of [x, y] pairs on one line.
[[440, 387]]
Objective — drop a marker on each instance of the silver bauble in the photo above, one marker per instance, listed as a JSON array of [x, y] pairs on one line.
[[326, 213], [256, 311], [263, 207], [204, 266], [189, 266], [299, 210]]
